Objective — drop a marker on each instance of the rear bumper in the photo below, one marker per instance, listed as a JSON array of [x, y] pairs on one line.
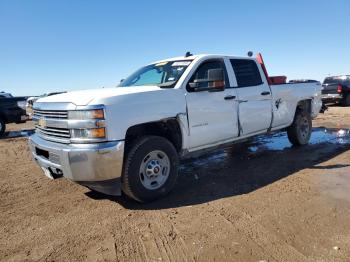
[[331, 97], [97, 166]]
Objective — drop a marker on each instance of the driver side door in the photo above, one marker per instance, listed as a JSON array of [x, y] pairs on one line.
[[212, 114]]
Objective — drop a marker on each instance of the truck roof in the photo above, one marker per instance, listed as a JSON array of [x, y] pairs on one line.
[[192, 57]]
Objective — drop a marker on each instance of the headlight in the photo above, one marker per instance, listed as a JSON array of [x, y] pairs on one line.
[[87, 125], [91, 133], [86, 114], [22, 104]]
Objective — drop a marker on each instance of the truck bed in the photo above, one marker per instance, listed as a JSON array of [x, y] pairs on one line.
[[285, 97]]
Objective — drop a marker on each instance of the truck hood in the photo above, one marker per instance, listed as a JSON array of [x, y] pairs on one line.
[[85, 97]]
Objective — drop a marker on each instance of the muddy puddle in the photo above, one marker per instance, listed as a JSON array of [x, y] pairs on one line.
[[279, 141], [275, 142], [20, 133]]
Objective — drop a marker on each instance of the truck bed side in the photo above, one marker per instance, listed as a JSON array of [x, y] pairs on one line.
[[285, 98]]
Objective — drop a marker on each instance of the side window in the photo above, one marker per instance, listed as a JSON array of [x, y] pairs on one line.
[[202, 74], [247, 72]]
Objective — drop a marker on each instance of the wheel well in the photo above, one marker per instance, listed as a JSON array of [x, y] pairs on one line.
[[168, 129], [304, 105]]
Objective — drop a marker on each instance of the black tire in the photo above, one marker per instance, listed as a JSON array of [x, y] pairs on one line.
[[133, 178], [299, 132], [2, 127], [346, 100]]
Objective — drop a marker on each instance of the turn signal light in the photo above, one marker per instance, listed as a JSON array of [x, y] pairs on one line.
[[88, 133], [97, 114], [98, 133]]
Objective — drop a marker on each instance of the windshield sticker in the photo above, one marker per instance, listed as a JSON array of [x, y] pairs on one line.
[[181, 63], [171, 79], [161, 64]]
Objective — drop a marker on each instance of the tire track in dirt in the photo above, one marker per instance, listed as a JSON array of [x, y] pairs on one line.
[[253, 230], [161, 240], [153, 238], [128, 247]]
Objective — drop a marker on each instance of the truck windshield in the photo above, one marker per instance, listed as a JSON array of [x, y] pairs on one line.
[[164, 74]]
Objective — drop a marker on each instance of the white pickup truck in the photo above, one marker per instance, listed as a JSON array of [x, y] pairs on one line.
[[131, 138]]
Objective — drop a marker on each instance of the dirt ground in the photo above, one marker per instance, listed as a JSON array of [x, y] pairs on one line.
[[265, 202]]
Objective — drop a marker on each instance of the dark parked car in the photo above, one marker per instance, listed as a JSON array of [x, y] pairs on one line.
[[12, 110], [295, 81], [336, 89], [3, 94]]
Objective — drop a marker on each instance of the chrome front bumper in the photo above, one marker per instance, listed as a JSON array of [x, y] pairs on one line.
[[97, 166]]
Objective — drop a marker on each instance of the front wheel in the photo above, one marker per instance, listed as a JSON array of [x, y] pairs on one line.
[[150, 168], [299, 132]]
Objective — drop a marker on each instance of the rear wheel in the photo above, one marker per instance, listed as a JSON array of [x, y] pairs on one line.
[[2, 127], [299, 132], [346, 100], [150, 168]]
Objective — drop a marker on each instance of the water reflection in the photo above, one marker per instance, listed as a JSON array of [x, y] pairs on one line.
[[279, 141], [275, 142]]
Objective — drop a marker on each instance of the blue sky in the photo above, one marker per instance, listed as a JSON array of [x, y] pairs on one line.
[[50, 46]]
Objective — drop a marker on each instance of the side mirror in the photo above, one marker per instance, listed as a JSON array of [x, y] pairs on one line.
[[194, 84], [122, 80]]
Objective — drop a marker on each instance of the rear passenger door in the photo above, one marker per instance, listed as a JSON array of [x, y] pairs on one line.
[[254, 97]]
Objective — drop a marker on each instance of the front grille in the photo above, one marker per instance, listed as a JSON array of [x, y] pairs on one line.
[[44, 125], [55, 114], [57, 132]]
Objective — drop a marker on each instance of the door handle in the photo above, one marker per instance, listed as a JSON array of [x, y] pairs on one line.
[[265, 93], [229, 97]]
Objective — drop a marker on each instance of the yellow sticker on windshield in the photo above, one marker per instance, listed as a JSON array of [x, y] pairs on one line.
[[161, 64]]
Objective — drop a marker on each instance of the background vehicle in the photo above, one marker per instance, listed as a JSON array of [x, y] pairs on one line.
[[29, 105], [12, 110], [133, 136], [4, 94], [336, 89], [303, 81], [31, 100]]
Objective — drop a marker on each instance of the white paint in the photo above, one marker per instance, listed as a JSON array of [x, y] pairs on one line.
[[212, 120]]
